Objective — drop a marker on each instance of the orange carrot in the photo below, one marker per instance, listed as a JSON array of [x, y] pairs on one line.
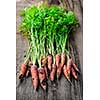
[[50, 61], [63, 59], [59, 71], [74, 66], [42, 77], [58, 58], [34, 73], [74, 73], [46, 71], [60, 66], [23, 71], [69, 64], [66, 72], [44, 64], [53, 72]]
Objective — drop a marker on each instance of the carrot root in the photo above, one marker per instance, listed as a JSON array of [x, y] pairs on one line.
[[66, 72], [74, 66], [42, 77], [53, 72], [50, 61], [74, 73], [59, 71], [34, 73], [46, 71], [58, 59], [63, 59], [23, 71]]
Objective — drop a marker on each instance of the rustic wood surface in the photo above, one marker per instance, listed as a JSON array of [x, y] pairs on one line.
[[58, 90]]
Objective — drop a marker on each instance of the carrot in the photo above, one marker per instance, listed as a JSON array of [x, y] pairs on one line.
[[58, 58], [46, 71], [34, 73], [53, 72], [23, 71], [60, 66], [69, 65], [50, 61], [44, 64], [59, 71], [74, 73], [66, 72], [42, 77], [74, 66], [63, 59]]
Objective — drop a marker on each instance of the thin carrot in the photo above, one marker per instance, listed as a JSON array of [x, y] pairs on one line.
[[34, 73], [53, 72], [23, 71], [66, 72], [59, 71], [50, 61], [69, 64], [74, 66], [74, 73], [44, 64], [42, 77], [46, 71], [60, 66], [63, 59], [58, 59]]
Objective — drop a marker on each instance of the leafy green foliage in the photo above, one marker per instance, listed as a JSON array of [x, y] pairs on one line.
[[48, 26]]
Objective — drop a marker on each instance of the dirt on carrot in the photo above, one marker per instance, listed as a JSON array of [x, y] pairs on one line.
[[42, 77]]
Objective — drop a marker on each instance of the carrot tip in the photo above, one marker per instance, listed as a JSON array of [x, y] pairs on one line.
[[58, 76], [20, 76]]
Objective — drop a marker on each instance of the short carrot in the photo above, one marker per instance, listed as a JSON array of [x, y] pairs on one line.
[[42, 77], [53, 72], [66, 72], [44, 64], [63, 59], [59, 71], [23, 71], [74, 73], [34, 73], [50, 61], [74, 66], [46, 71], [69, 65], [58, 59]]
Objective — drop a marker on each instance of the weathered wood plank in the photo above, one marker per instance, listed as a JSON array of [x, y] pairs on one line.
[[59, 90]]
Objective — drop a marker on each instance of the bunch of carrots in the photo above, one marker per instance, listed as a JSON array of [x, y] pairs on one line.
[[48, 29]]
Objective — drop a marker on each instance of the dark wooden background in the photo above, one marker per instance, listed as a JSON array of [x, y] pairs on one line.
[[58, 90]]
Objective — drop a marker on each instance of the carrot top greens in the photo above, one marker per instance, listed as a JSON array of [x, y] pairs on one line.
[[48, 30]]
